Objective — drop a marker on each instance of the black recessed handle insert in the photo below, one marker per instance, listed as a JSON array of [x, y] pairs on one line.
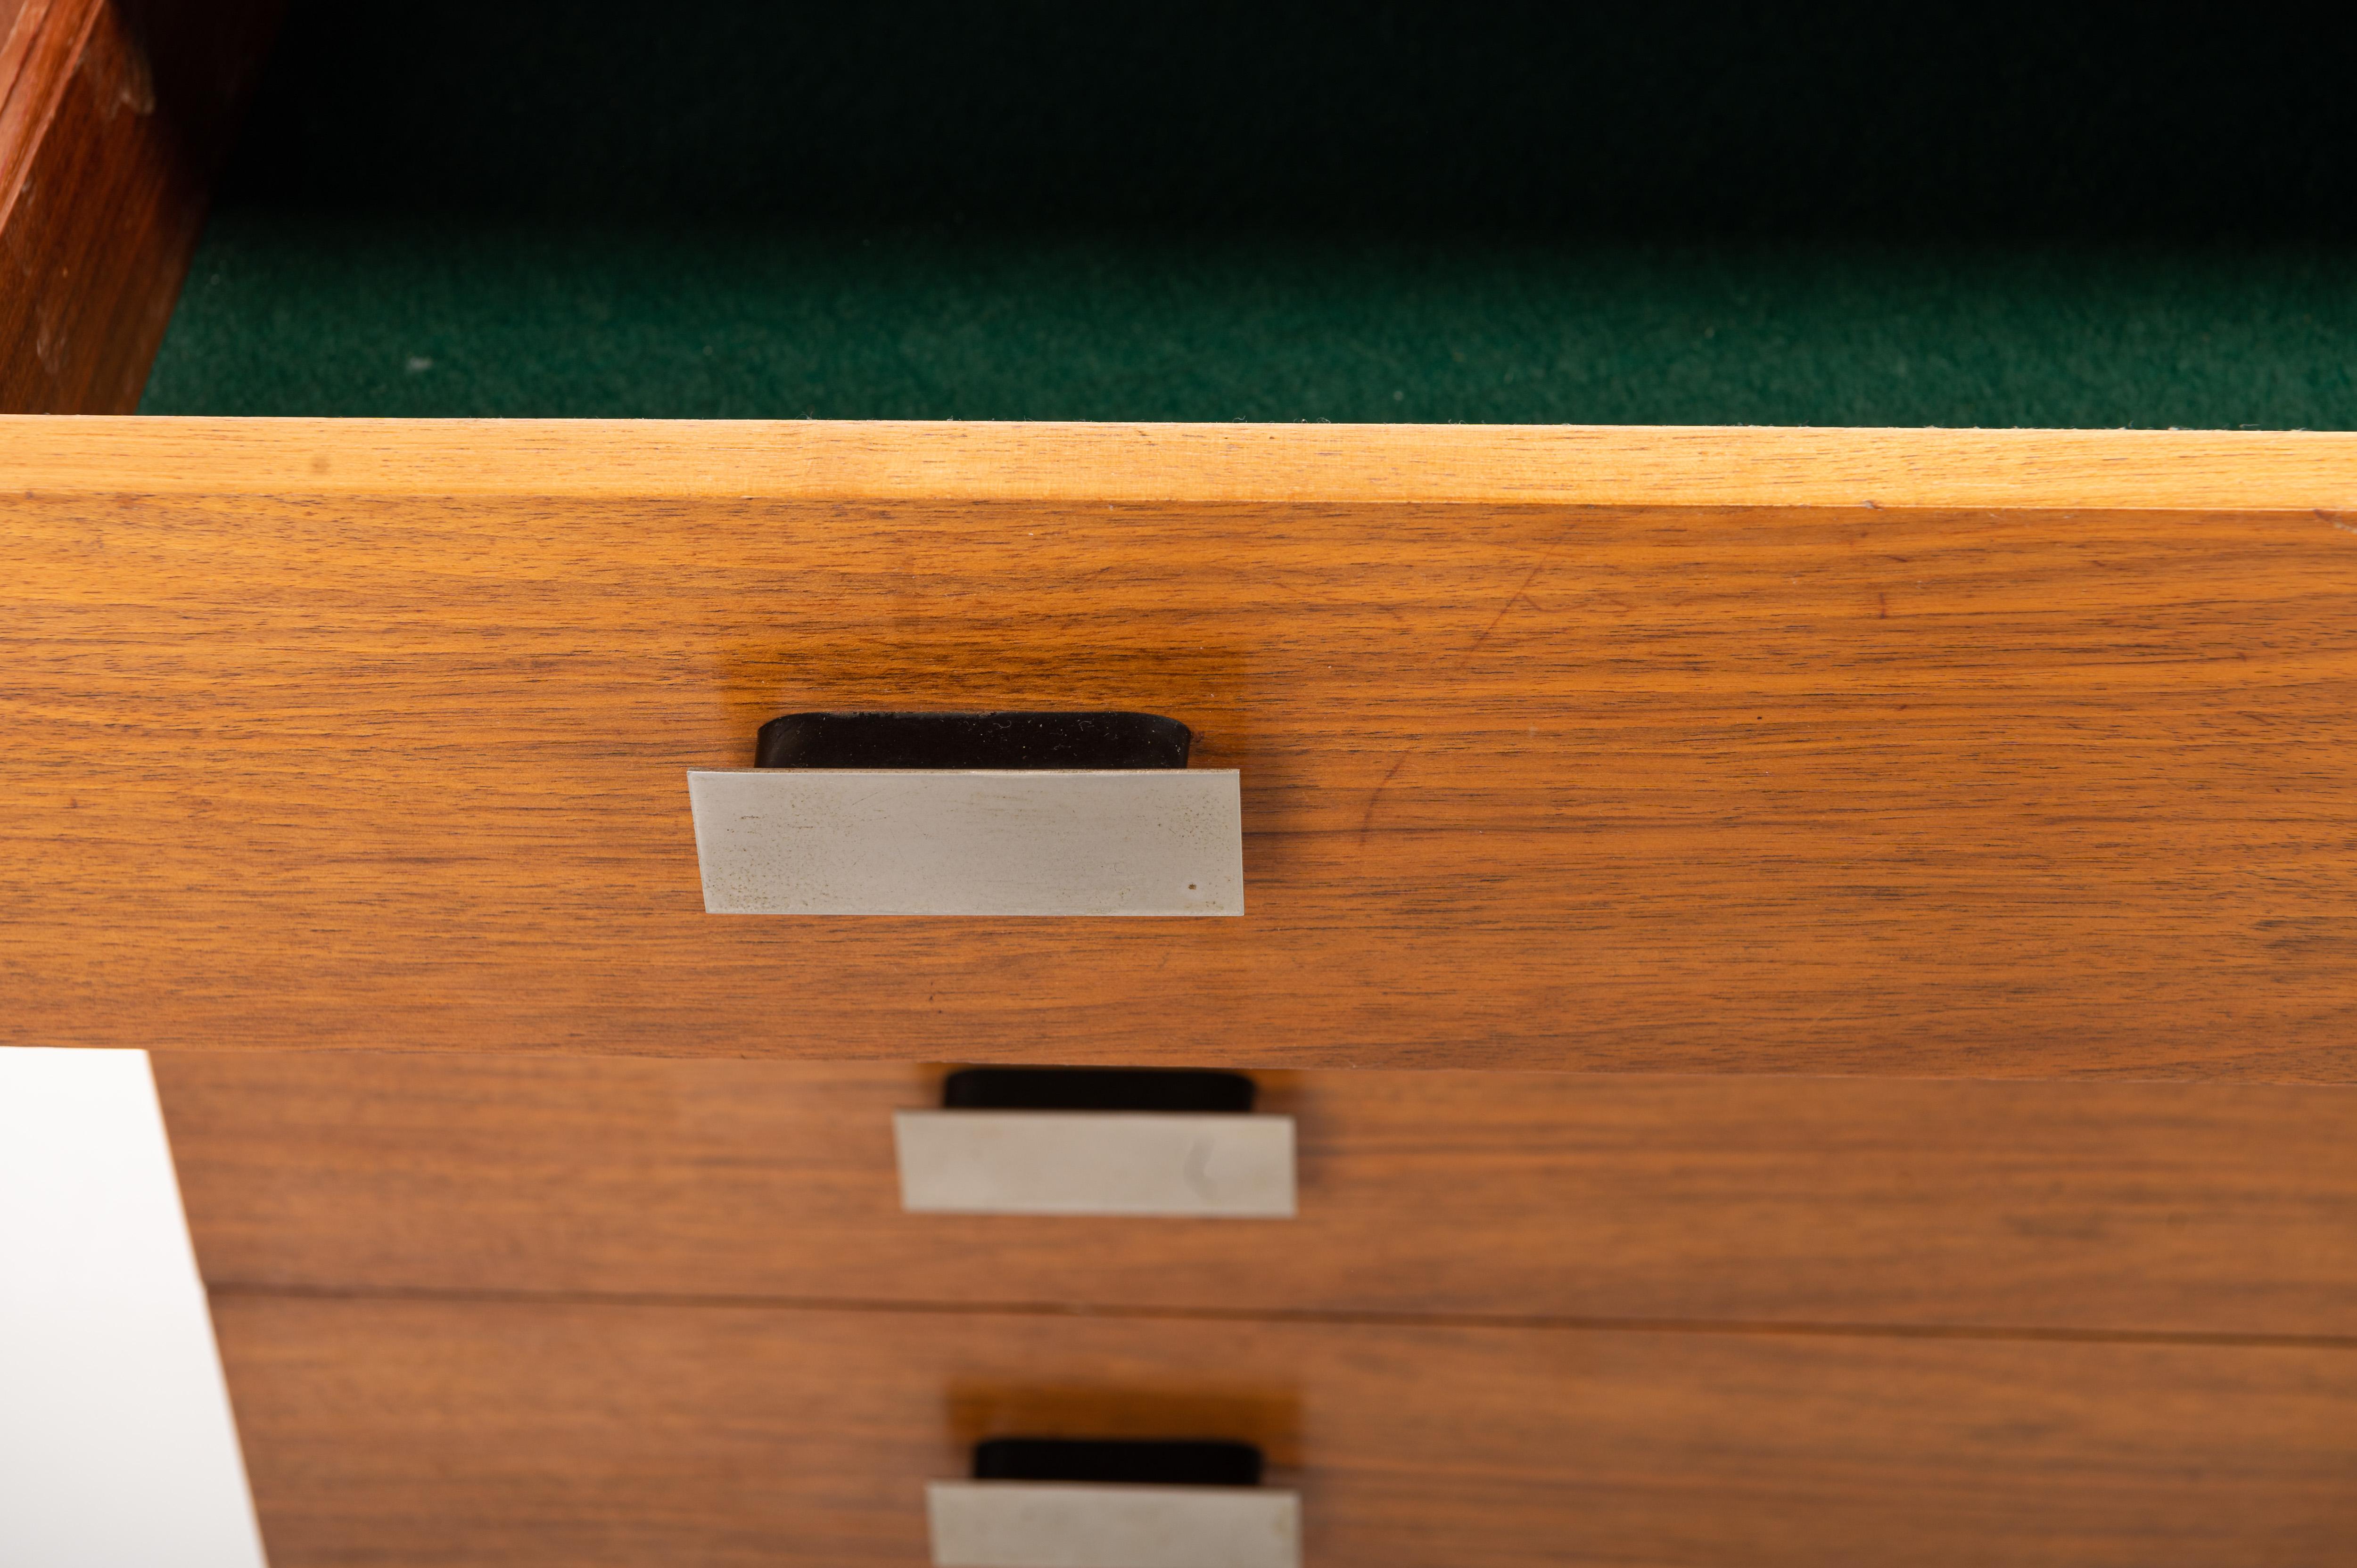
[[1197, 1089], [1018, 740], [1135, 1461]]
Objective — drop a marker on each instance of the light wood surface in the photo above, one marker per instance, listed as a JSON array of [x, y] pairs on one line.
[[1617, 788], [114, 116], [514, 1435], [870, 460], [2095, 1207]]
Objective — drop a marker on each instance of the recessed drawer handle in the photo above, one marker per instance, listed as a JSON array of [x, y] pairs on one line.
[[1062, 1503], [986, 813], [1105, 1141]]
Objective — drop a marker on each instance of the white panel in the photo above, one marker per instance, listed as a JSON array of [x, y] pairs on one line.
[[784, 841], [1096, 1162], [1062, 1524], [116, 1447]]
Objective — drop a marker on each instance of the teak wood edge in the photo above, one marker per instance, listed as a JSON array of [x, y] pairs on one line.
[[114, 116], [2242, 472]]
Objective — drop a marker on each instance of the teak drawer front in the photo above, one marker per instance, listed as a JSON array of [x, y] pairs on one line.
[[1917, 753], [511, 1434], [2190, 1208]]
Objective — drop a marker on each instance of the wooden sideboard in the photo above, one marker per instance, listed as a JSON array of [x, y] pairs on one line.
[[1710, 816]]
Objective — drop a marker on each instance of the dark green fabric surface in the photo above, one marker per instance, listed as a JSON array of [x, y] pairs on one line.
[[1700, 213], [357, 315]]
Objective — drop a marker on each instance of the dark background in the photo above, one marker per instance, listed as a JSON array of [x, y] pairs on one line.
[[1683, 212]]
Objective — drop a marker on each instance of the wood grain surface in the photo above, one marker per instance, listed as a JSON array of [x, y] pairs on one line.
[[2201, 1208], [1506, 465], [1986, 792], [514, 1435], [114, 115]]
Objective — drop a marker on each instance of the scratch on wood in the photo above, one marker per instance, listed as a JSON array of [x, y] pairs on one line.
[[1367, 822], [1511, 599]]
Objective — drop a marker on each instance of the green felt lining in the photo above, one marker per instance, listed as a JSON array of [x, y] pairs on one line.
[[1034, 212], [446, 316]]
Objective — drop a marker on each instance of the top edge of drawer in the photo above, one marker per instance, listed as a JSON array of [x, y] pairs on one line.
[[1563, 465]]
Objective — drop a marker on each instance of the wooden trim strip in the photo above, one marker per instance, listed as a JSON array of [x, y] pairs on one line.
[[2242, 471]]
